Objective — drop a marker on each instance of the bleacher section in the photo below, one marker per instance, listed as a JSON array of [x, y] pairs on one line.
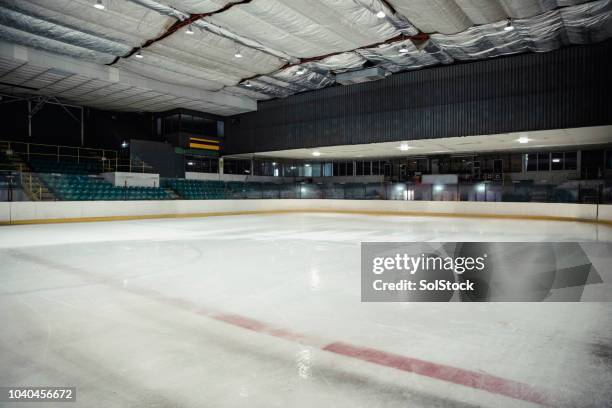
[[39, 165], [82, 187], [197, 189]]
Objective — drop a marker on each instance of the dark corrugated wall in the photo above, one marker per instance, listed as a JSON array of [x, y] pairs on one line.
[[571, 87]]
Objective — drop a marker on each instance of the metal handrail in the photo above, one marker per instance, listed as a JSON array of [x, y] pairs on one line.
[[29, 149]]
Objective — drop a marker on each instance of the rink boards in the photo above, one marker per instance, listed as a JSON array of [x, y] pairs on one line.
[[77, 211]]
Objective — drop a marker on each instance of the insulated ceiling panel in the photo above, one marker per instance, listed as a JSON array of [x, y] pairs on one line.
[[453, 16], [404, 55], [199, 6], [581, 24], [307, 28], [208, 57], [122, 20]]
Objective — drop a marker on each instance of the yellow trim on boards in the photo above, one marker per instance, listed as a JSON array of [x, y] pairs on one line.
[[270, 212]]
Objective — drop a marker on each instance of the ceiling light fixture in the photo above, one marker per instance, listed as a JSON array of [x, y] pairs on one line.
[[238, 54], [189, 30], [248, 84], [139, 54], [403, 49], [523, 139], [99, 5], [300, 71], [404, 147], [381, 14], [509, 26], [316, 153]]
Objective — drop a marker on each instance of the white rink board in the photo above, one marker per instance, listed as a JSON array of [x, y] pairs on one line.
[[32, 211]]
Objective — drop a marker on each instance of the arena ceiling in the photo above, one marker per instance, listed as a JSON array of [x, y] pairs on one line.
[[555, 139], [222, 56]]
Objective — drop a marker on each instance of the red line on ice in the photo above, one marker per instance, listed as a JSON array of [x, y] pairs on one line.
[[472, 379], [487, 382]]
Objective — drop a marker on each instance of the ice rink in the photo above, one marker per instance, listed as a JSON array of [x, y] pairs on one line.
[[265, 311]]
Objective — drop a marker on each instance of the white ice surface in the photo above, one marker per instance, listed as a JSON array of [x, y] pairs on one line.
[[102, 306]]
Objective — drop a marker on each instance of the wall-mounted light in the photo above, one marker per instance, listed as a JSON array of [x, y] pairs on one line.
[[556, 160], [124, 144], [190, 163]]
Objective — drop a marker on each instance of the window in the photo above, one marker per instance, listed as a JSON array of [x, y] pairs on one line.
[[375, 168], [543, 162], [349, 168], [367, 168], [531, 162], [556, 161], [201, 164], [328, 170], [571, 160], [236, 166], [359, 168]]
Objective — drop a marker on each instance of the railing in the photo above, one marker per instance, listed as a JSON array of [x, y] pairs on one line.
[[134, 166], [485, 192], [108, 159]]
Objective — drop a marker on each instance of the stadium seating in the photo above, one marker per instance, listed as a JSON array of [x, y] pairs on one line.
[[197, 189], [83, 187]]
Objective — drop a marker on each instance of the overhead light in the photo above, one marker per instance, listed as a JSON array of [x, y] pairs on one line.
[[381, 14], [404, 147], [138, 54], [403, 49], [300, 71], [189, 30], [248, 84], [556, 160], [99, 5], [274, 163], [124, 144], [523, 139], [238, 54], [190, 163], [509, 26], [307, 165], [316, 153]]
